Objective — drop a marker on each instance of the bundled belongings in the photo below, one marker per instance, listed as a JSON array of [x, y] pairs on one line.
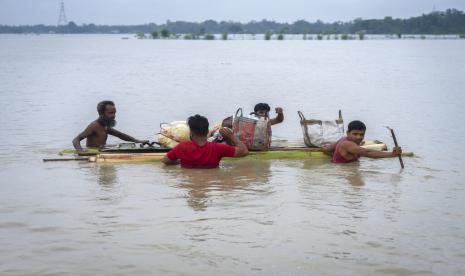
[[254, 133], [173, 133], [318, 133]]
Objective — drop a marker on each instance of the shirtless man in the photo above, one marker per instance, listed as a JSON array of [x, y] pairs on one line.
[[348, 149], [97, 131]]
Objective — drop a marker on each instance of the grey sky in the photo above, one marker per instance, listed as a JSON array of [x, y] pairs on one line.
[[20, 12]]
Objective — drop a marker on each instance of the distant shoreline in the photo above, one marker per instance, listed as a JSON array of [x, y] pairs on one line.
[[449, 22], [295, 37]]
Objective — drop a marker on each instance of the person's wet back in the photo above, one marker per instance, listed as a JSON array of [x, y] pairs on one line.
[[200, 153]]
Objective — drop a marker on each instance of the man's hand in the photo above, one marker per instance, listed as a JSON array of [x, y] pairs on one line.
[[278, 110], [396, 151], [227, 134]]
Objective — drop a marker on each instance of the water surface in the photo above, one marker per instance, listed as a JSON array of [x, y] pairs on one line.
[[246, 217]]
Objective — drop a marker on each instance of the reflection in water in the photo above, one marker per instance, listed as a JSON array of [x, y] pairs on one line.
[[201, 185], [106, 175], [350, 172]]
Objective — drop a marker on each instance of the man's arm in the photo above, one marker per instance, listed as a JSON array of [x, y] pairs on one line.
[[83, 135], [357, 150], [279, 118], [171, 157], [241, 148], [168, 161], [124, 136], [329, 149]]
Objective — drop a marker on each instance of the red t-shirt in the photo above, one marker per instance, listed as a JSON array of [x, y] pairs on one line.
[[194, 156]]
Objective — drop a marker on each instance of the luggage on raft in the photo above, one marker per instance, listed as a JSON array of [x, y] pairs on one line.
[[254, 133], [318, 133], [172, 133]]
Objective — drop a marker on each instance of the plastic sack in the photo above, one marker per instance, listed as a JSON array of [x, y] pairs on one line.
[[173, 133], [318, 133], [255, 134]]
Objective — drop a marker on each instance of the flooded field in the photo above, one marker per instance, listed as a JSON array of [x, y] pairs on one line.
[[248, 216]]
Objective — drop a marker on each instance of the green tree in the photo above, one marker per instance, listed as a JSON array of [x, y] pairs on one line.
[[268, 35], [280, 37], [165, 33], [209, 37], [224, 36], [154, 34]]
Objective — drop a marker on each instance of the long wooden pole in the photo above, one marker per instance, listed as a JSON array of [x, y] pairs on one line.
[[395, 143], [66, 159]]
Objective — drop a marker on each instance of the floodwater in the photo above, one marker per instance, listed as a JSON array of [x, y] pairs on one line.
[[281, 217]]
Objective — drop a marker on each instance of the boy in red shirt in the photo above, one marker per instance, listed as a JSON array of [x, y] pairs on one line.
[[198, 152]]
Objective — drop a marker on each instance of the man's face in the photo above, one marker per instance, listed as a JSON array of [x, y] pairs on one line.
[[262, 113], [109, 113], [356, 136]]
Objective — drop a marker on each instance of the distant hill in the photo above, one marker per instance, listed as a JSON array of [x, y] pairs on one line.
[[451, 21]]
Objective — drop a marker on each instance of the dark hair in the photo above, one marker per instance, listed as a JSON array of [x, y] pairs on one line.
[[103, 105], [356, 125], [198, 124], [261, 106]]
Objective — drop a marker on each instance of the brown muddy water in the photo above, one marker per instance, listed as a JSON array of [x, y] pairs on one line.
[[246, 217]]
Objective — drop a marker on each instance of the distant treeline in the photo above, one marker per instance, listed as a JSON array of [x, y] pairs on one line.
[[451, 21]]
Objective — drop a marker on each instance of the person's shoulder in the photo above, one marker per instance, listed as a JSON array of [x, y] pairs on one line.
[[221, 145], [94, 124], [348, 143]]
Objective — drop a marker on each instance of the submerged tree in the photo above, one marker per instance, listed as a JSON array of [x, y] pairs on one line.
[[165, 33], [209, 37], [268, 35]]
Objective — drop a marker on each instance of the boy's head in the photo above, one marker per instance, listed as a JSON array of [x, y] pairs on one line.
[[261, 110], [356, 132], [198, 125]]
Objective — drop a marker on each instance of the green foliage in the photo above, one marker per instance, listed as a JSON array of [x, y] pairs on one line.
[[154, 34], [280, 37], [462, 36], [319, 36], [268, 35], [422, 37], [165, 33], [451, 21], [304, 36], [361, 35], [399, 35], [140, 36], [344, 36], [224, 36], [209, 37]]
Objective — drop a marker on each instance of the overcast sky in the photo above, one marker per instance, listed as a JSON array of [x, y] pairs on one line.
[[21, 12]]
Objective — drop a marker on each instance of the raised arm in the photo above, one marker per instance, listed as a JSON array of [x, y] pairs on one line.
[[241, 148], [279, 118], [81, 136], [124, 136]]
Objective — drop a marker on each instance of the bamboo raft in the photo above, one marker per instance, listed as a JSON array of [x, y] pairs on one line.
[[281, 151]]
